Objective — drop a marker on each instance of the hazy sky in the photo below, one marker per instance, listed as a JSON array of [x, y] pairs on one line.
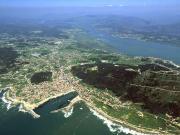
[[110, 3]]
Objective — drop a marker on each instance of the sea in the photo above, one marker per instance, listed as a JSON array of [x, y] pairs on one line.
[[80, 120]]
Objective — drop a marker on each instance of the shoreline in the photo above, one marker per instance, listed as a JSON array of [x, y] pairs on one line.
[[26, 107], [166, 61], [29, 108], [69, 106], [138, 131], [53, 97], [113, 127]]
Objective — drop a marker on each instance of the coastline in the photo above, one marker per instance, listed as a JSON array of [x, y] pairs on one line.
[[26, 107], [69, 106], [129, 128], [154, 59], [58, 55], [132, 128]]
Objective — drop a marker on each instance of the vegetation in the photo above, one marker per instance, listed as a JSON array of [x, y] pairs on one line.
[[138, 91], [141, 84], [41, 77]]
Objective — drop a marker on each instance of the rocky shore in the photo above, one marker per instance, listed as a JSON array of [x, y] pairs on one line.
[[132, 129], [125, 127], [26, 107]]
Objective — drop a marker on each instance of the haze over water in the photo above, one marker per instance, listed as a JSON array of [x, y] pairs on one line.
[[82, 121]]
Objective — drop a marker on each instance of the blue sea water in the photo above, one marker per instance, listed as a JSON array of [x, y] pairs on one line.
[[81, 122]]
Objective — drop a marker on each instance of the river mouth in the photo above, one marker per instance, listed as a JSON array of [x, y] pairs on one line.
[[135, 47], [55, 104]]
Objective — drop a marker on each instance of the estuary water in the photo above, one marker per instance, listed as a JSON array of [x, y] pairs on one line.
[[134, 47], [80, 120]]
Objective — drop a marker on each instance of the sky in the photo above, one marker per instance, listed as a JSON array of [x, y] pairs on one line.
[[160, 10], [90, 3]]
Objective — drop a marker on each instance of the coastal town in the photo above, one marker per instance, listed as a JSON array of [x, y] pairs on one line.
[[41, 70]]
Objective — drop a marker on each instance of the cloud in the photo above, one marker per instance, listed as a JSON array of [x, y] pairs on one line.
[[121, 5], [108, 5]]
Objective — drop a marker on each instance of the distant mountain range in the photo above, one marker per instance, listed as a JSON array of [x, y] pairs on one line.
[[134, 27]]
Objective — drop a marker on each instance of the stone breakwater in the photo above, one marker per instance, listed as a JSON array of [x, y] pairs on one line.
[[24, 106], [115, 125], [69, 107]]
